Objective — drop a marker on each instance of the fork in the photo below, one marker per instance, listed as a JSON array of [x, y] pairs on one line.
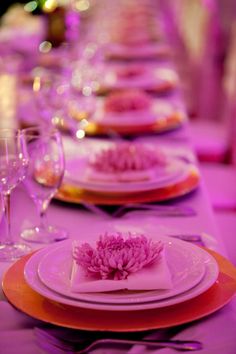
[[57, 345], [159, 210]]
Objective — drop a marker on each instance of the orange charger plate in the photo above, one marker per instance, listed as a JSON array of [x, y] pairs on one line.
[[160, 125], [162, 87], [73, 194], [30, 302]]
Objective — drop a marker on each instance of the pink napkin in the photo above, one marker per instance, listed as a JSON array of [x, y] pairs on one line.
[[154, 276]]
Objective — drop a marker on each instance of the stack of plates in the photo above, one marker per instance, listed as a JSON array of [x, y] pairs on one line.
[[157, 79], [193, 271], [39, 285], [178, 177]]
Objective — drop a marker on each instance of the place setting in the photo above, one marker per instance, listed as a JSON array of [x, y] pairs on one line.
[[132, 111], [84, 284], [112, 241], [120, 172], [157, 79], [141, 39]]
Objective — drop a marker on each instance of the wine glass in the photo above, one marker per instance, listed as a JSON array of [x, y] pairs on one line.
[[45, 174], [13, 166], [60, 104]]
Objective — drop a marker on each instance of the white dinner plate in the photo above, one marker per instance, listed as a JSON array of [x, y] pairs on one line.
[[148, 78], [33, 280], [159, 109], [175, 170], [186, 267], [185, 264]]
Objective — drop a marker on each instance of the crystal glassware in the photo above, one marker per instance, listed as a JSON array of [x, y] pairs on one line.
[[45, 174], [13, 166], [60, 104]]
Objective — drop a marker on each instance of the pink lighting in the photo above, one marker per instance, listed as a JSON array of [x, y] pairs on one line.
[[123, 216]]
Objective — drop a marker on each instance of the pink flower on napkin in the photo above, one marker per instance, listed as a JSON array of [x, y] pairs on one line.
[[127, 100], [115, 257], [125, 157]]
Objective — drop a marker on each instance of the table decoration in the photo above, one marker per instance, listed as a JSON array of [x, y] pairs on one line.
[[179, 268], [122, 167], [119, 262], [124, 162], [127, 100], [133, 111], [72, 193], [27, 300], [139, 38]]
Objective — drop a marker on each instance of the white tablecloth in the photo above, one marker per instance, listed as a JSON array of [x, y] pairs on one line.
[[217, 332]]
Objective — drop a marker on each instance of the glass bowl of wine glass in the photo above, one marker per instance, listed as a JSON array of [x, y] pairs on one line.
[[45, 173]]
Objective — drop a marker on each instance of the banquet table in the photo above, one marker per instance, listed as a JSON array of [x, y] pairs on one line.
[[216, 331]]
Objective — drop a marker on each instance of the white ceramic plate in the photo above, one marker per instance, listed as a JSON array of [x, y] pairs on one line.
[[158, 110], [32, 278], [76, 170], [185, 264], [147, 79]]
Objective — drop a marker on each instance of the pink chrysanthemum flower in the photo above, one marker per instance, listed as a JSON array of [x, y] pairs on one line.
[[115, 257], [128, 157], [127, 100]]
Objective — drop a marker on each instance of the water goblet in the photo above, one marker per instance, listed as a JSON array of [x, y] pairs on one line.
[[45, 174], [13, 166]]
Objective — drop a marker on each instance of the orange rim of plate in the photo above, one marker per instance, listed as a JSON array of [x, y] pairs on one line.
[[162, 87], [30, 302], [161, 52], [162, 124], [73, 194]]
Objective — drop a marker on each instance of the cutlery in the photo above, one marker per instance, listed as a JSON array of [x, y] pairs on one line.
[[51, 343], [96, 210], [160, 210]]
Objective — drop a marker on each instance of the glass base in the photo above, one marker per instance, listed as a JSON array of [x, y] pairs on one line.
[[13, 252], [44, 235]]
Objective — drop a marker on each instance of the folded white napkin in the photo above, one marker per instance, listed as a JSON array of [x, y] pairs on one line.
[[154, 276]]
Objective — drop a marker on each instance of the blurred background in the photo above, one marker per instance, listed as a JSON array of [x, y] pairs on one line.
[[201, 32]]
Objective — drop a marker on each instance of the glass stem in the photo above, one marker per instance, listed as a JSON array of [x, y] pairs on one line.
[[6, 203], [43, 216]]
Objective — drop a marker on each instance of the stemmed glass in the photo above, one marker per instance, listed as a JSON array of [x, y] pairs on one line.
[[13, 166], [60, 104], [45, 174]]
